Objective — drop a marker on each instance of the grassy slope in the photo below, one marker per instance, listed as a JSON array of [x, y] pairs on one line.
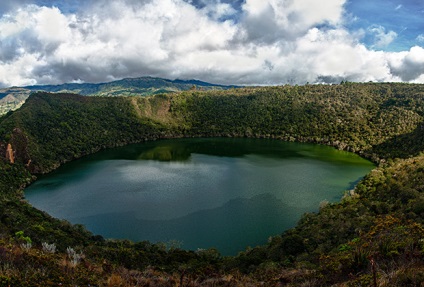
[[380, 121]]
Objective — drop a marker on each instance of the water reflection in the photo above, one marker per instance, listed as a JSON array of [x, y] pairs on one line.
[[224, 193], [167, 152]]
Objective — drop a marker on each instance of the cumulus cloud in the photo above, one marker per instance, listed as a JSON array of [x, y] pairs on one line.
[[408, 66], [336, 55], [263, 42], [121, 40], [268, 21]]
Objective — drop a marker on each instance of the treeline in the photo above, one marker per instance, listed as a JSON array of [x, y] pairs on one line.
[[356, 117], [374, 234], [378, 121]]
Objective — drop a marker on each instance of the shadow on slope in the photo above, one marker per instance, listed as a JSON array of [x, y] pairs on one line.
[[402, 146]]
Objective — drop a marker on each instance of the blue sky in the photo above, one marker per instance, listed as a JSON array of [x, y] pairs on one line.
[[251, 42], [406, 18]]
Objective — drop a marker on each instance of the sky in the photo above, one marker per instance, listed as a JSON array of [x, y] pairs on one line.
[[242, 42]]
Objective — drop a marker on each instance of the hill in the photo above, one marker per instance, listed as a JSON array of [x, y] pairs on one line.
[[144, 86], [12, 99], [374, 234]]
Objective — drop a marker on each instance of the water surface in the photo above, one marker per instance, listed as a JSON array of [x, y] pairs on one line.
[[221, 193]]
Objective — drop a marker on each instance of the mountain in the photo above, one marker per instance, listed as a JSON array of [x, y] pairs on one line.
[[13, 98]]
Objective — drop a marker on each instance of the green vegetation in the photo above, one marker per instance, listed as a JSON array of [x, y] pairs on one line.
[[13, 98], [375, 234]]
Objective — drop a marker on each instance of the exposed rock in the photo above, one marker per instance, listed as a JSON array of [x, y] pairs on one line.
[[10, 154], [17, 148]]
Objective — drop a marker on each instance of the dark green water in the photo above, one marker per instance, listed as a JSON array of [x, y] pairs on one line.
[[222, 193]]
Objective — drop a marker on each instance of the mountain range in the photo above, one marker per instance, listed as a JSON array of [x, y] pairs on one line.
[[12, 98]]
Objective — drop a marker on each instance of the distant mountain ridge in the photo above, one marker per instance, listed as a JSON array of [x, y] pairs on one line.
[[12, 98]]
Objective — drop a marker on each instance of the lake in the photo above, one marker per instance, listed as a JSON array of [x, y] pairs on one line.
[[202, 193]]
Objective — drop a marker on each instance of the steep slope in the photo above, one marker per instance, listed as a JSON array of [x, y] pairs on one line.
[[51, 129], [12, 99]]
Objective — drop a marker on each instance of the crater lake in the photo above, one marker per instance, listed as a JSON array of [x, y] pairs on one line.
[[223, 193]]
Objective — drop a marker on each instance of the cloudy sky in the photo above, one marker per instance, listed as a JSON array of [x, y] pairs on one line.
[[263, 42]]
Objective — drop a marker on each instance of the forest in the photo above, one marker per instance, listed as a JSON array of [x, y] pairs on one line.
[[373, 237]]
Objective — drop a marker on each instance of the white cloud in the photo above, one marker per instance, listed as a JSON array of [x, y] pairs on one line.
[[382, 39], [334, 54], [51, 25], [272, 20], [11, 25], [123, 41], [313, 12], [271, 42], [219, 10], [408, 66], [19, 72], [420, 38]]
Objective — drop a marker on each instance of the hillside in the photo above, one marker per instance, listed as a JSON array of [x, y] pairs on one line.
[[13, 98], [375, 233]]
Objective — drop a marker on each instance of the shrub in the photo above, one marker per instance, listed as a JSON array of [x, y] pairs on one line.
[[49, 248]]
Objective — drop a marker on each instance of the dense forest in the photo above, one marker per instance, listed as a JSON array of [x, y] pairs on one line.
[[373, 237]]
